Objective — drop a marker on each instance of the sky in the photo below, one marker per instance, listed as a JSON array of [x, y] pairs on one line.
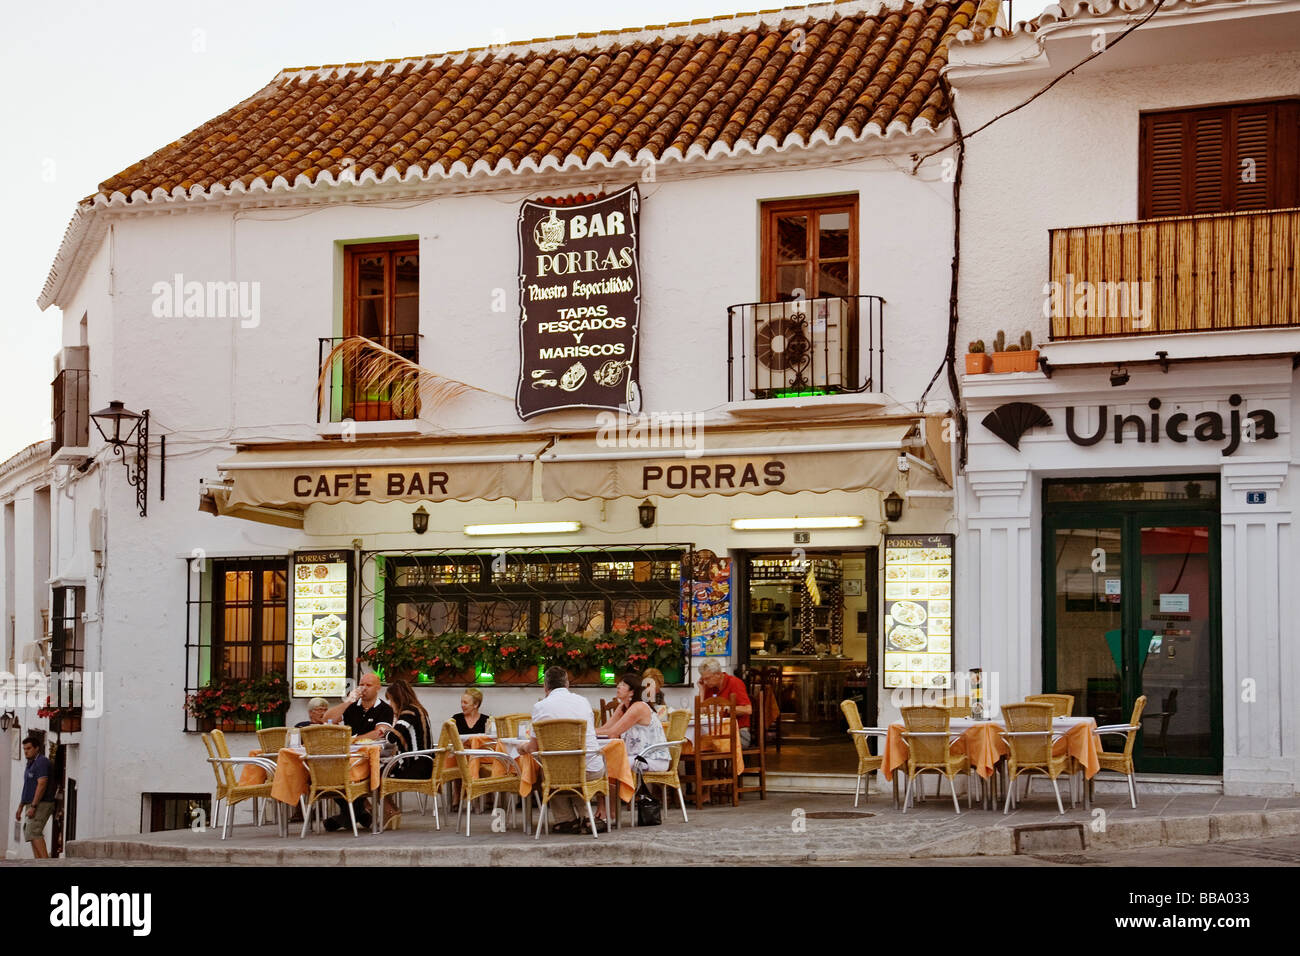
[[96, 87]]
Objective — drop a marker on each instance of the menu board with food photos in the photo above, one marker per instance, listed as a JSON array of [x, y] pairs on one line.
[[918, 610], [706, 604], [321, 605]]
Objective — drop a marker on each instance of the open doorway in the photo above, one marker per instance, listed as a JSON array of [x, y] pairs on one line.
[[808, 623]]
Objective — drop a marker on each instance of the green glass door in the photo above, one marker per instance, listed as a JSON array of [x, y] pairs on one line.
[[1131, 608]]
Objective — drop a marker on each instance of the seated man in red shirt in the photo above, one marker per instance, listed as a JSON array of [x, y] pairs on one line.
[[715, 683]]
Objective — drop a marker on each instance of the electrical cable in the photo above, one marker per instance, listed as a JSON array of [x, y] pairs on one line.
[[1005, 113]]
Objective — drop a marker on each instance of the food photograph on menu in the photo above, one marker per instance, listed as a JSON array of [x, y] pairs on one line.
[[918, 610], [320, 624]]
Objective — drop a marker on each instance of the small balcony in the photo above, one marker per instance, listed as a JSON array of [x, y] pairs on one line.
[[803, 348], [348, 392], [71, 409], [1179, 275]]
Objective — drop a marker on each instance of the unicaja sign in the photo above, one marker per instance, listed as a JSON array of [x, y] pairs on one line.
[[1012, 421]]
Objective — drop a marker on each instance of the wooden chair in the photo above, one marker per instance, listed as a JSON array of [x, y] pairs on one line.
[[771, 693], [473, 787], [329, 764], [236, 793], [562, 752], [508, 724], [867, 762], [1029, 740], [675, 731], [1062, 704], [1122, 762], [929, 743], [755, 755], [272, 740], [607, 709], [717, 741]]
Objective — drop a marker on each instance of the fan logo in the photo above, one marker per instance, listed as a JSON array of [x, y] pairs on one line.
[[1010, 422]]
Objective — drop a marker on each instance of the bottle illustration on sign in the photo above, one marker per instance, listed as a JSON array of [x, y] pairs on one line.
[[549, 233]]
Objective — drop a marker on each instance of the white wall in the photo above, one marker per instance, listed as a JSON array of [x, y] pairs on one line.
[[209, 382]]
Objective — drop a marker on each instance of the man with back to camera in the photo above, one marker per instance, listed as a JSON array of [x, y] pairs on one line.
[[561, 703]]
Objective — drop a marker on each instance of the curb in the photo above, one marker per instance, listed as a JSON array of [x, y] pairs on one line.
[[1189, 830]]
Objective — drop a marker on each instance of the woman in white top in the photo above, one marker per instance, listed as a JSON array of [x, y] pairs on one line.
[[637, 723]]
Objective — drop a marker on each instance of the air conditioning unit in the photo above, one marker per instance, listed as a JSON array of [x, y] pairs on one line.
[[799, 346]]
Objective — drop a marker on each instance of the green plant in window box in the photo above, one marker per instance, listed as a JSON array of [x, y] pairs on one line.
[[402, 656], [565, 649], [660, 644], [241, 700], [515, 659]]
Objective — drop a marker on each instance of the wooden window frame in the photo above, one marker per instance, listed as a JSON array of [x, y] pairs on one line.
[[350, 255], [1283, 150], [812, 208], [257, 642]]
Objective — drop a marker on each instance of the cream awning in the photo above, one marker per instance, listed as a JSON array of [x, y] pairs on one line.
[[727, 462], [292, 476]]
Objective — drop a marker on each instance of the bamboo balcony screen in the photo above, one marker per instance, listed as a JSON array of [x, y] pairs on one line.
[[1201, 273]]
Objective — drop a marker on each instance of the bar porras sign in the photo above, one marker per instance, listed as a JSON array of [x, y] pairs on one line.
[[579, 305]]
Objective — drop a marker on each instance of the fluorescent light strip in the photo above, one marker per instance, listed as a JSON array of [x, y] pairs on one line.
[[794, 524], [533, 527]]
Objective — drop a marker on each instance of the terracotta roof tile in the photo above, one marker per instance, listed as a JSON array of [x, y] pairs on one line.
[[705, 87]]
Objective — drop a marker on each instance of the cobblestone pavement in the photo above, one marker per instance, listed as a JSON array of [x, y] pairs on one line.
[[784, 828]]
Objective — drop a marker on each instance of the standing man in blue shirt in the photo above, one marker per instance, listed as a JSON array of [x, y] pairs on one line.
[[38, 797]]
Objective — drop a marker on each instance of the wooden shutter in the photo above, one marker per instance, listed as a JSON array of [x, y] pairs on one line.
[[1219, 159]]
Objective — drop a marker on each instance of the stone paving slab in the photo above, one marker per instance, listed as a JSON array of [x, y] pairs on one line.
[[776, 830]]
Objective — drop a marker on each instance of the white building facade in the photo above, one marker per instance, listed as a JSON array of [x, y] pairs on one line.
[[1129, 502], [802, 222]]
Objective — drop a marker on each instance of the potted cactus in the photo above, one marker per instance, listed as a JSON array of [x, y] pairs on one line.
[[1022, 357], [977, 360]]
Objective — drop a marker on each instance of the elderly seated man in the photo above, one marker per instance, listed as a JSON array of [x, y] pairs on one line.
[[561, 703], [714, 682]]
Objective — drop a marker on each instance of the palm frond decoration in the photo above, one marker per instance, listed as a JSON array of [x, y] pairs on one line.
[[368, 367]]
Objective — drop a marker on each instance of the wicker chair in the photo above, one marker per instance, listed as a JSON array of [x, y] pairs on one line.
[[1029, 741], [1062, 704], [428, 786], [929, 745], [867, 763], [1122, 762], [714, 727], [236, 793], [329, 762], [562, 752], [216, 772], [956, 706], [508, 724], [675, 731], [473, 787], [273, 739]]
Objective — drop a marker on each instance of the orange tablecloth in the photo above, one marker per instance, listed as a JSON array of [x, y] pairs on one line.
[[478, 742], [615, 753], [982, 741], [292, 779]]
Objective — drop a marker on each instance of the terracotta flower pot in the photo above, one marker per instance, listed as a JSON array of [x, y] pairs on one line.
[[456, 677], [1016, 361], [526, 675], [977, 363]]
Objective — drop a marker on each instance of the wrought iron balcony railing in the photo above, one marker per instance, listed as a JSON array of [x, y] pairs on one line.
[[348, 396], [804, 347]]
